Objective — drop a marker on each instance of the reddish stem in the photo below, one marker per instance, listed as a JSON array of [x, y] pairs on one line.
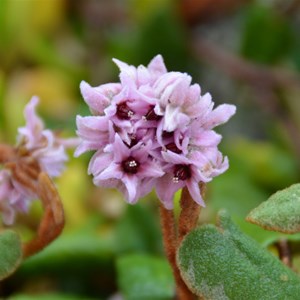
[[170, 245], [284, 252], [189, 214], [52, 222]]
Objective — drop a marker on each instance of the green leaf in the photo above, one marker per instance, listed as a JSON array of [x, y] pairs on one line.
[[263, 237], [220, 262], [143, 277], [11, 252], [281, 212]]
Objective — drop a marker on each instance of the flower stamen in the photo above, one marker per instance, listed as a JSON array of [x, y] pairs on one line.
[[130, 165], [124, 112], [181, 172]]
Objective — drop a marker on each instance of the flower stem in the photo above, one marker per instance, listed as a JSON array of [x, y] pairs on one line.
[[53, 220], [170, 245], [284, 252], [189, 214]]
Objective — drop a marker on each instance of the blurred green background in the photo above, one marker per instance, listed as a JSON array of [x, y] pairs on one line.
[[242, 52]]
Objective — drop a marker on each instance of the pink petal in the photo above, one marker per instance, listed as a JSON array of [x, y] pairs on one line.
[[121, 151], [91, 125], [150, 169], [203, 107], [145, 187], [68, 142], [7, 212], [112, 171], [99, 162], [121, 65], [180, 90], [166, 188], [208, 138], [174, 118], [174, 158], [143, 75], [131, 184], [193, 95], [157, 65], [164, 87], [194, 191], [31, 132], [109, 183], [128, 75], [33, 121], [94, 133], [220, 115], [98, 98]]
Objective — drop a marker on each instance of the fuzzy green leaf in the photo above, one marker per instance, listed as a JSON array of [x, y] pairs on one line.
[[11, 252], [281, 212], [144, 277], [220, 262]]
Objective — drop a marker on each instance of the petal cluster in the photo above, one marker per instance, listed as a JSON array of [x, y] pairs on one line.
[[153, 129], [37, 146], [13, 197], [42, 144]]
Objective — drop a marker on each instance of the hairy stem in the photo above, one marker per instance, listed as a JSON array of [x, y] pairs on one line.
[[170, 245], [189, 214], [284, 252], [53, 220]]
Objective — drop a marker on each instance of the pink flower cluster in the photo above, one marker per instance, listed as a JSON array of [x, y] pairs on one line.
[[154, 129], [34, 143]]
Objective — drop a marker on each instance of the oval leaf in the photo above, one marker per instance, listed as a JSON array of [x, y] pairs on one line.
[[11, 252], [281, 212], [220, 262]]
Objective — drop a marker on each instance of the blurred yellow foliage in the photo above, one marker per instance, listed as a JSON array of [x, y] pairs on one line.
[[33, 16], [53, 88], [73, 187]]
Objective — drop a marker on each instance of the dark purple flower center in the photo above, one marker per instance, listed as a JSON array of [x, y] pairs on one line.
[[181, 172], [123, 111], [133, 141], [167, 134], [172, 147], [130, 165], [151, 115]]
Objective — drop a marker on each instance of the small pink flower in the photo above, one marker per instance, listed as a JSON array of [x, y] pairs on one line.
[[34, 144], [180, 172], [98, 98], [13, 197], [153, 129], [43, 144], [94, 132], [141, 76], [128, 167]]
